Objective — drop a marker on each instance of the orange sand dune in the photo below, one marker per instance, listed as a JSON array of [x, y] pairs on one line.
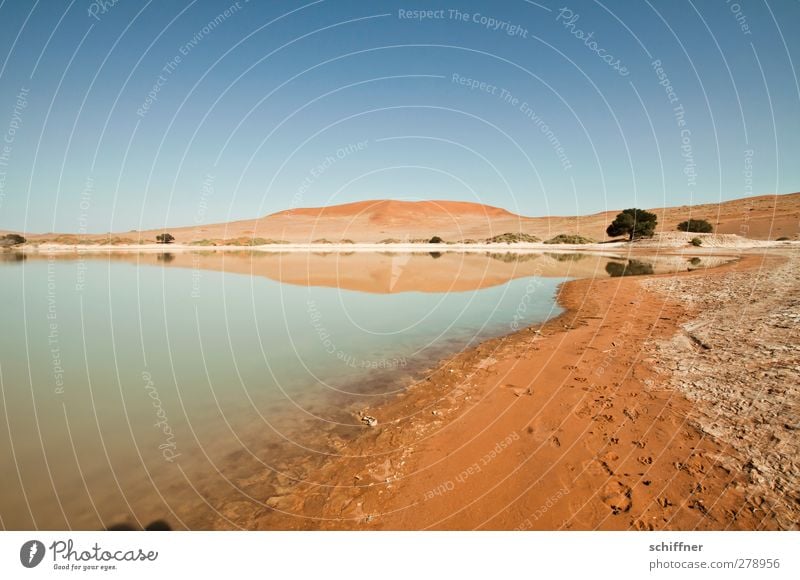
[[761, 217]]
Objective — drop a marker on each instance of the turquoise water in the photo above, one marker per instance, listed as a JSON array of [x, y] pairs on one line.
[[136, 391]]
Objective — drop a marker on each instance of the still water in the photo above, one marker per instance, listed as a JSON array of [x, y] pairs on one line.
[[144, 386]]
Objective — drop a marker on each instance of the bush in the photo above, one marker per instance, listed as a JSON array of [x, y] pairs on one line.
[[321, 241], [165, 238], [346, 241], [570, 239], [696, 242], [698, 226], [782, 239], [436, 240], [634, 223], [9, 240], [389, 241], [513, 238]]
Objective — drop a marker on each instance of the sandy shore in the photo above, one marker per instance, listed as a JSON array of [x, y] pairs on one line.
[[580, 424], [672, 241]]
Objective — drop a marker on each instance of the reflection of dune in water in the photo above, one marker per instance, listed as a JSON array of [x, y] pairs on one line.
[[391, 272]]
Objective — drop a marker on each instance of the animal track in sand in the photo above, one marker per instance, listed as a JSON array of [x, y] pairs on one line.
[[643, 526], [646, 460], [517, 390], [664, 502], [617, 496]]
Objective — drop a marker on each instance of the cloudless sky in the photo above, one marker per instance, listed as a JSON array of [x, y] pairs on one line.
[[146, 114]]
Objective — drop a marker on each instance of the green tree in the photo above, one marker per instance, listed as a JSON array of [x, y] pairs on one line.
[[699, 226], [634, 223], [165, 238], [12, 240]]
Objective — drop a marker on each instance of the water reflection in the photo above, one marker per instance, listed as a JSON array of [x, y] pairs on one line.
[[631, 268]]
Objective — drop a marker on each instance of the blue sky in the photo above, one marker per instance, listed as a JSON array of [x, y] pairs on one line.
[[147, 114]]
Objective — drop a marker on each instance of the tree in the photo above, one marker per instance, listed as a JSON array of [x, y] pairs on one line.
[[12, 240], [699, 226], [634, 223], [165, 238], [436, 240]]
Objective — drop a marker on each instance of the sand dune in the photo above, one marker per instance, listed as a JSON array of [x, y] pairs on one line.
[[761, 217]]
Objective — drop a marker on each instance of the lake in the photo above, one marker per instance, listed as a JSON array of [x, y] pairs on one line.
[[153, 385]]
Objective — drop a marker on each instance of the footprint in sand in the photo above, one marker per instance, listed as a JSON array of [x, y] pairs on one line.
[[643, 526], [617, 496], [519, 391]]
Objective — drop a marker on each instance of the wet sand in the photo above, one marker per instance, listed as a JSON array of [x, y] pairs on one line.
[[567, 426]]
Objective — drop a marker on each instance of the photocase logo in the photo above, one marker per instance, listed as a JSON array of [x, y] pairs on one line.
[[31, 553]]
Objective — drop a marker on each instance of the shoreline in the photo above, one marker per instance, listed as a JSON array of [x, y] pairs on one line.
[[556, 426], [673, 241]]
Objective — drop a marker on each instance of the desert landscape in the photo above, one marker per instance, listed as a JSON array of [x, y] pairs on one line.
[[402, 275], [391, 222], [643, 406]]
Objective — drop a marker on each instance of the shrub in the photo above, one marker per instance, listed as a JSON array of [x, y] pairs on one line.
[[634, 223], [696, 242], [698, 226], [9, 240], [114, 241], [165, 238], [321, 241], [436, 240], [782, 239], [346, 241], [570, 239], [389, 241], [513, 238]]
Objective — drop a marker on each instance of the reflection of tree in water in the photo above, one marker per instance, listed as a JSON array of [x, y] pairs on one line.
[[567, 257], [166, 257], [435, 255], [12, 257], [509, 257], [632, 268]]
